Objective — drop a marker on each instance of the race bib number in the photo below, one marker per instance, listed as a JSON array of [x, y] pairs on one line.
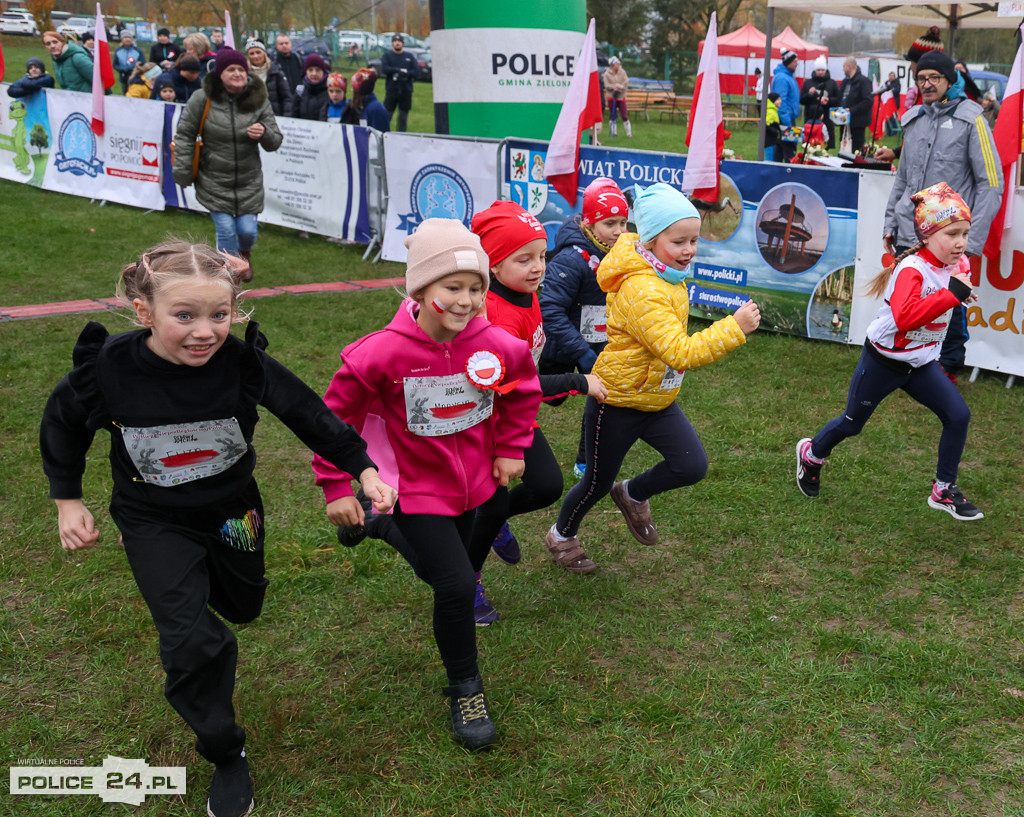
[[184, 452], [934, 332], [593, 323], [438, 406], [671, 380]]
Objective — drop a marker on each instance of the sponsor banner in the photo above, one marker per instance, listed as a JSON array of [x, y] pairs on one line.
[[431, 177], [123, 165], [783, 235], [316, 181], [25, 138], [503, 64], [996, 321]]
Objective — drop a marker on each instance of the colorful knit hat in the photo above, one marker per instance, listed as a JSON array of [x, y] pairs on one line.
[[657, 207], [503, 228], [440, 247], [603, 199], [936, 207], [931, 40], [337, 81]]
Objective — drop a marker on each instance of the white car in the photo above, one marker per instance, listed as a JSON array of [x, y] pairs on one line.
[[18, 22], [78, 26]]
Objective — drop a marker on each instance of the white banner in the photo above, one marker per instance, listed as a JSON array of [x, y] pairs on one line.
[[123, 165], [24, 137], [430, 177], [503, 64], [315, 180]]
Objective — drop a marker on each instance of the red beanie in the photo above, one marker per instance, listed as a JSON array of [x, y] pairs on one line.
[[503, 228], [602, 199]]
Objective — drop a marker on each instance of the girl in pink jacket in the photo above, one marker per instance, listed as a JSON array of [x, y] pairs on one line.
[[433, 384]]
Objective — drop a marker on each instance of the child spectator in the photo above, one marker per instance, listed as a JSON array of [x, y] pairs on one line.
[[365, 108], [648, 350], [126, 58], [336, 86], [35, 80], [903, 345], [311, 98], [443, 388], [140, 83], [571, 302]]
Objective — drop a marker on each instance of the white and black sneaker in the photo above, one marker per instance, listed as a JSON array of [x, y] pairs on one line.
[[808, 473], [231, 792], [952, 501]]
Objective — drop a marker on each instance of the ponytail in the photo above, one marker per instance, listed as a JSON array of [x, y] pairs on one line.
[[875, 288]]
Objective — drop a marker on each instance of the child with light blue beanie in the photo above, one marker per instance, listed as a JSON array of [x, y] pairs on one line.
[[648, 350]]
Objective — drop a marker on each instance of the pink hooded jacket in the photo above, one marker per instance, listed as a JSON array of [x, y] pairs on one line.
[[444, 475]]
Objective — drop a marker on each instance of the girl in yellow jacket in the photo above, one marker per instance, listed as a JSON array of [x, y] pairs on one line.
[[648, 350]]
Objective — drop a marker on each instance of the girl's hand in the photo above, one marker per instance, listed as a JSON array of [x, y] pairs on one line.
[[506, 469], [256, 130], [595, 388], [381, 494], [345, 511], [75, 524], [748, 317], [966, 281]]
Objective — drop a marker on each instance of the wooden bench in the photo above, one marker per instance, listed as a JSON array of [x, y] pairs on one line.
[[663, 102]]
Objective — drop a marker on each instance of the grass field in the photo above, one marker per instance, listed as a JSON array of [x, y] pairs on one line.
[[858, 654]]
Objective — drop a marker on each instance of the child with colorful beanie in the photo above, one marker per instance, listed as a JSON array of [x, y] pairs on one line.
[[648, 350], [429, 390], [903, 343], [571, 302], [516, 244]]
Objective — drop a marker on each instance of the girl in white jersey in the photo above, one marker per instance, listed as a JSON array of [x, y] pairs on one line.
[[903, 345]]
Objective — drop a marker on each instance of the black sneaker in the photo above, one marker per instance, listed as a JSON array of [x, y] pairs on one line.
[[352, 535], [807, 473], [231, 790], [472, 726], [952, 501]]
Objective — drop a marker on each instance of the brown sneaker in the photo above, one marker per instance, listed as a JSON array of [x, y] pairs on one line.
[[637, 515], [569, 554]]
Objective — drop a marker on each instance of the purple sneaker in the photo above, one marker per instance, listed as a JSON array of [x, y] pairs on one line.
[[484, 613], [506, 546]]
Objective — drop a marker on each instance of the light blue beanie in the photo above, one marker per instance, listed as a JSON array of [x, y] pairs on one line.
[[658, 206]]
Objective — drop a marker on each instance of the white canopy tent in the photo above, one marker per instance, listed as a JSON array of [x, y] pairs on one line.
[[925, 13]]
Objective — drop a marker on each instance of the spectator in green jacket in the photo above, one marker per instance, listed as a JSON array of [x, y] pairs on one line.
[[72, 65]]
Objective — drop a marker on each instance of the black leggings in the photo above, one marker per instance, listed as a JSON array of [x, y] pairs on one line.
[[442, 553], [611, 432], [540, 487]]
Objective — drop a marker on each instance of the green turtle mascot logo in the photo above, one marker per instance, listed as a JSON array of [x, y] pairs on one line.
[[16, 141]]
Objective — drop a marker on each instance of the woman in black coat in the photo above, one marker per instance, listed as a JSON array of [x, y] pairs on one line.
[[273, 77], [311, 100]]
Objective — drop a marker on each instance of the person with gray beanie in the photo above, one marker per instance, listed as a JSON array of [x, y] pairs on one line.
[[450, 400]]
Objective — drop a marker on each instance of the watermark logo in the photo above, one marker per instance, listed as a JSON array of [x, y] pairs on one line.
[[437, 191], [76, 148], [118, 780]]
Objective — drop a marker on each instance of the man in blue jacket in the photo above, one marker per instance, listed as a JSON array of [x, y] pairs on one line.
[[126, 57], [785, 86], [399, 68]]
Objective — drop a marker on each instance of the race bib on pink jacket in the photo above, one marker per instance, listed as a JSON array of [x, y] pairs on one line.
[[438, 406]]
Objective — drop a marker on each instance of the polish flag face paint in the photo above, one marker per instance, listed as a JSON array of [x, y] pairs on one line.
[[439, 307]]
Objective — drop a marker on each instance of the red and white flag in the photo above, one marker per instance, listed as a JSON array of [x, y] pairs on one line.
[[580, 111], [705, 135], [1008, 137], [886, 105], [102, 73], [229, 33], [1, 61]]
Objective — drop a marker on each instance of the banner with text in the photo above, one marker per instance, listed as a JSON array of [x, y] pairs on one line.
[[432, 177], [783, 235], [123, 165]]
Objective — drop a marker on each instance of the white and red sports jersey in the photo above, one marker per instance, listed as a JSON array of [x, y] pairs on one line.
[[912, 322]]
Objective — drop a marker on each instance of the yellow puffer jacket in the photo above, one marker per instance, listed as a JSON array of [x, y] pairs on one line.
[[647, 340]]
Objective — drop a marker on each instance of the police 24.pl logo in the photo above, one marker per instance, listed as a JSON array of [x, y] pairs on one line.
[[437, 191], [76, 148]]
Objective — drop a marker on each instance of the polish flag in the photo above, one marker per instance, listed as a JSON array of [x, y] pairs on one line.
[[102, 73], [1008, 138], [705, 135], [229, 34], [580, 111], [1, 61], [884, 107]]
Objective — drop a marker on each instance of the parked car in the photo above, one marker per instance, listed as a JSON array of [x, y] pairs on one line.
[[423, 59], [77, 26], [986, 80], [312, 45], [18, 22]]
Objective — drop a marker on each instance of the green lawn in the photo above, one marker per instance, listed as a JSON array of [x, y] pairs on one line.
[[858, 654]]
